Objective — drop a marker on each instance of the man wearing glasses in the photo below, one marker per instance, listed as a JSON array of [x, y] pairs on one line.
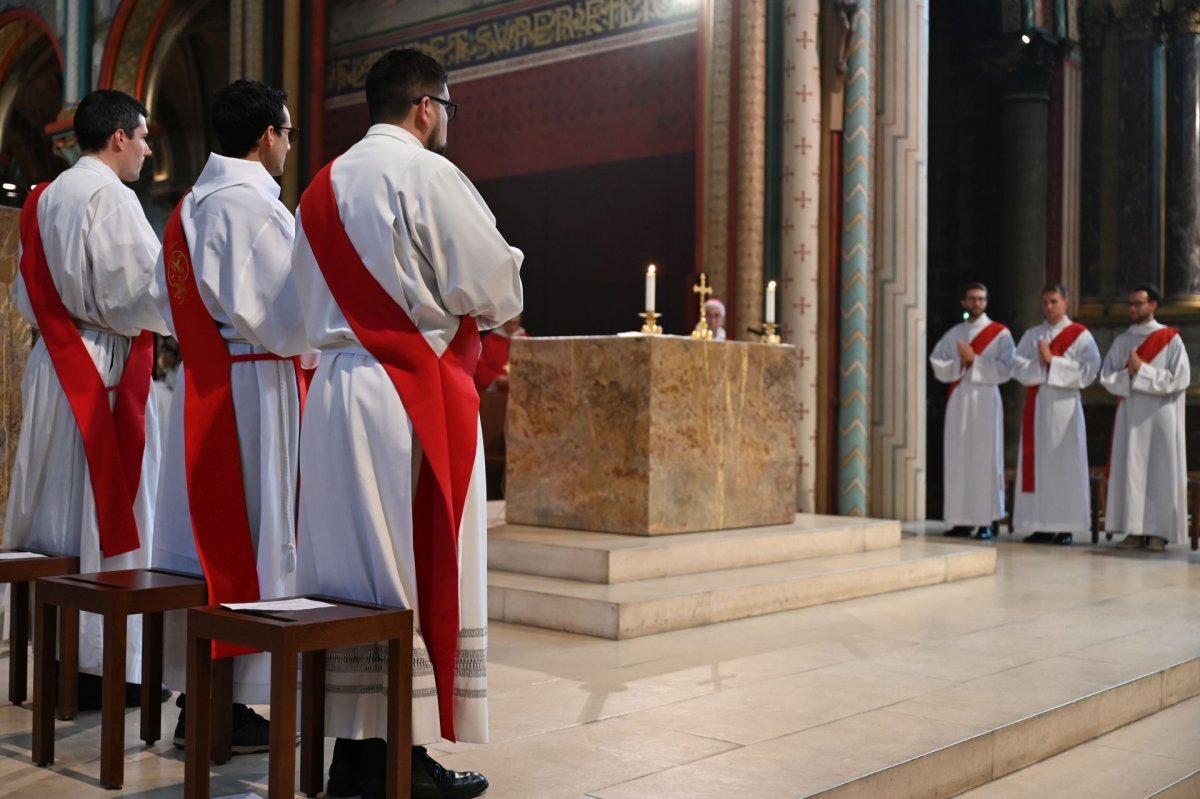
[[399, 265], [1147, 370], [974, 357], [227, 491]]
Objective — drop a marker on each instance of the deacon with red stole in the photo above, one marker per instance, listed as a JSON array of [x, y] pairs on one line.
[[974, 357], [87, 460], [1147, 369], [1054, 360], [227, 494], [399, 264]]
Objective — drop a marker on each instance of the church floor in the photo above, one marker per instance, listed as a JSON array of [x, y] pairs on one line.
[[782, 705]]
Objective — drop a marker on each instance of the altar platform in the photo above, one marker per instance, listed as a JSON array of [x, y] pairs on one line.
[[921, 693]]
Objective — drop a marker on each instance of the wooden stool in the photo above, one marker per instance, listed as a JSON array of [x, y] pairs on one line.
[[19, 572], [286, 634], [115, 595]]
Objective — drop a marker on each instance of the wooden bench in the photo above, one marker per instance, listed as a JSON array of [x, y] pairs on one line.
[[286, 635], [115, 595], [19, 572]]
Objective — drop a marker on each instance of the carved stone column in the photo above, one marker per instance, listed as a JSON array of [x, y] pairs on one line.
[[1140, 141], [1097, 187], [1026, 68], [1182, 258]]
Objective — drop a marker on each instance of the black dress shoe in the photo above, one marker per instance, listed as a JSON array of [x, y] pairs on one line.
[[430, 780], [1064, 539], [345, 769], [1038, 538], [985, 533], [958, 531], [89, 693], [251, 732]]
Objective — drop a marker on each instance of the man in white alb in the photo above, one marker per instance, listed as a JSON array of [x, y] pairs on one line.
[[1147, 370], [399, 263], [242, 337], [84, 482], [1054, 360], [974, 357]]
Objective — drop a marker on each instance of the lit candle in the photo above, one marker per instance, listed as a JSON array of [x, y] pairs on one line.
[[771, 302], [650, 276]]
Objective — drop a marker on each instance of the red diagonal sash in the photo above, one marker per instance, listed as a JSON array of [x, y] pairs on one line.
[[1156, 342], [982, 339], [1148, 350], [114, 436], [1059, 346], [440, 398], [212, 455]]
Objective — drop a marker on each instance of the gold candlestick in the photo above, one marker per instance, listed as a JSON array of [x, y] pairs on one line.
[[651, 327], [769, 334], [702, 330]]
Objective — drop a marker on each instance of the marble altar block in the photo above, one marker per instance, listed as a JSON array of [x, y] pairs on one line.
[[15, 343], [649, 435]]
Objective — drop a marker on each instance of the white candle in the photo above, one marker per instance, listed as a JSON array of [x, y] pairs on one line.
[[650, 276], [771, 302]]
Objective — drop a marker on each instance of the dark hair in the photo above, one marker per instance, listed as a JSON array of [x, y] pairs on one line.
[[242, 112], [1150, 289], [398, 78], [974, 284], [1055, 287], [101, 114]]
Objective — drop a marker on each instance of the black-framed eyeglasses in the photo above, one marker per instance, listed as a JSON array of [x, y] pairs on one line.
[[451, 108], [293, 134]]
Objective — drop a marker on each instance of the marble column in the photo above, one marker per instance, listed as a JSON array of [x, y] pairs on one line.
[[1027, 69], [902, 146], [747, 265], [1181, 282], [854, 361], [1140, 140], [1098, 150], [800, 313], [716, 45]]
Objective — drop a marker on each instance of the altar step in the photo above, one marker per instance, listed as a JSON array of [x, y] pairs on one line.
[[981, 740], [609, 558], [1155, 757], [643, 607]]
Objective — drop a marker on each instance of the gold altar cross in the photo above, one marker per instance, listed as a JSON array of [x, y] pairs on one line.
[[702, 330]]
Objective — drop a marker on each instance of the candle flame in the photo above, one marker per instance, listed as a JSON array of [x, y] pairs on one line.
[[650, 270], [771, 285]]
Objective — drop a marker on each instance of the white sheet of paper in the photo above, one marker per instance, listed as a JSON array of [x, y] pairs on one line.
[[20, 555], [278, 604]]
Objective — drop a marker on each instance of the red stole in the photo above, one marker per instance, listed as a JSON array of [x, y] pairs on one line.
[[1149, 349], [212, 455], [440, 398], [1059, 346], [114, 436], [979, 344]]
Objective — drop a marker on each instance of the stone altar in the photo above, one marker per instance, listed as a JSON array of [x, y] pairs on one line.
[[647, 435], [15, 343]]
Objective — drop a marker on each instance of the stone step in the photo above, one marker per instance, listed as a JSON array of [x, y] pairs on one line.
[[1002, 724], [1152, 758], [645, 607], [1186, 788], [612, 558]]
